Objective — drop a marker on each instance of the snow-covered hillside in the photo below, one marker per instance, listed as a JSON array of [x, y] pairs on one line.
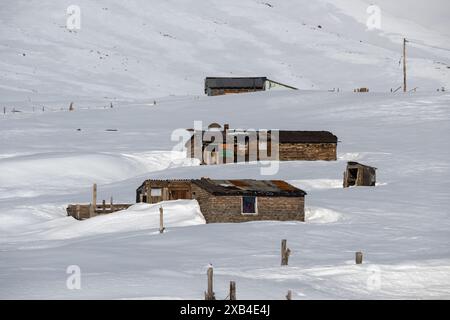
[[401, 225], [146, 49], [149, 58]]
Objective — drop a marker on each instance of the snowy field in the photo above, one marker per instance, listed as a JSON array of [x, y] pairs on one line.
[[135, 53], [402, 225]]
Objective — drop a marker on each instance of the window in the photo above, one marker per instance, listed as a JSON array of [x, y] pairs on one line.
[[249, 205], [156, 192]]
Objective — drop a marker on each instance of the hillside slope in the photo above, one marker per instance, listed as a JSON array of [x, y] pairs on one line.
[[142, 49]]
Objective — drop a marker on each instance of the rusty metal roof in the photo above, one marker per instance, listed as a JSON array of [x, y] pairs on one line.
[[249, 187], [240, 187]]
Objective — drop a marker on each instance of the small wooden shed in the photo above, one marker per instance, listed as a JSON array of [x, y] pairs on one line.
[[357, 174], [153, 191]]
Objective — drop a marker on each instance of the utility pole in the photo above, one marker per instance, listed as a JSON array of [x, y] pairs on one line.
[[404, 64]]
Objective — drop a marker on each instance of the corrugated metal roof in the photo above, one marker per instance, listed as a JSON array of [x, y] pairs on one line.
[[250, 187], [240, 187], [283, 185]]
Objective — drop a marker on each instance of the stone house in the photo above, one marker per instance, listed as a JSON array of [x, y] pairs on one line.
[[217, 145], [231, 200]]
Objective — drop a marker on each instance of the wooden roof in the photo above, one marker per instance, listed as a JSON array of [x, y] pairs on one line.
[[235, 82], [284, 136], [353, 164], [306, 137]]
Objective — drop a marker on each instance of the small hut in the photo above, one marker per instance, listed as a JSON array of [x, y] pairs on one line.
[[358, 174]]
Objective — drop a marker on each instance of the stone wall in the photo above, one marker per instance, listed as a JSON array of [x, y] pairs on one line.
[[228, 208], [292, 151], [311, 151]]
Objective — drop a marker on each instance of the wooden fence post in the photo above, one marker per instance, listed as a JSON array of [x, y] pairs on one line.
[[285, 252], [289, 295], [232, 290], [209, 295], [104, 206], [94, 194], [71, 106], [358, 257], [161, 220], [94, 201]]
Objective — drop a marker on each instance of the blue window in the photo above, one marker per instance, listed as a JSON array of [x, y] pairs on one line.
[[249, 205]]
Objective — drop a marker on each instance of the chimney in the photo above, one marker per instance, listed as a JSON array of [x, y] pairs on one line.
[[226, 127]]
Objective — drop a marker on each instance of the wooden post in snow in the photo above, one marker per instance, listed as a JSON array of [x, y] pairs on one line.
[[71, 106], [232, 290], [285, 252], [104, 206], [404, 64], [161, 220], [359, 257], [112, 205], [94, 195], [209, 294], [289, 295], [4, 110], [94, 200]]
